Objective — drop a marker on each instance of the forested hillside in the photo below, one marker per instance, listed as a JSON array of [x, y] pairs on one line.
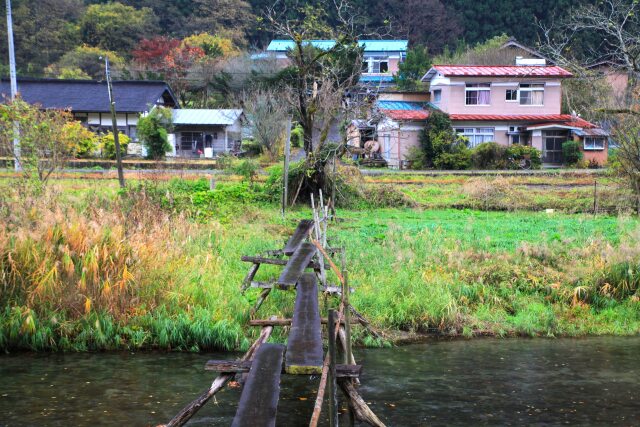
[[53, 36]]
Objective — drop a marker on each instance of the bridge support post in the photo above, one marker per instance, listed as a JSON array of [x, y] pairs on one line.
[[333, 395]]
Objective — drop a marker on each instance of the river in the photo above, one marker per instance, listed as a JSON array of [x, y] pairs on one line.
[[589, 381]]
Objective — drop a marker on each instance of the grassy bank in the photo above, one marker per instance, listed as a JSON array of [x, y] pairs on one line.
[[88, 267]]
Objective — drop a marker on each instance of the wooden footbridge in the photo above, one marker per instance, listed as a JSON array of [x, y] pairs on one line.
[[263, 364]]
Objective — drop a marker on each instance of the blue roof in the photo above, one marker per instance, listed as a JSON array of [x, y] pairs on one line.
[[376, 79], [404, 105], [369, 45]]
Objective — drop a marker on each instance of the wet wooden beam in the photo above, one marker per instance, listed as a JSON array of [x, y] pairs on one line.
[[249, 277], [239, 366], [304, 346], [332, 290], [273, 261], [218, 383], [357, 404], [259, 400], [301, 233], [287, 322], [297, 264]]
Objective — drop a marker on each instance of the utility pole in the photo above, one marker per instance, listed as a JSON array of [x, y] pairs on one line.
[[14, 83], [114, 123]]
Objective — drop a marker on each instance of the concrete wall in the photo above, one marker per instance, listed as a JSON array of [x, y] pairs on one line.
[[600, 156], [453, 96], [396, 138], [403, 96]]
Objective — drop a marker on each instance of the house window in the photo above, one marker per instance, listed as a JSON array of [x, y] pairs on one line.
[[376, 64], [531, 94], [512, 95], [437, 95], [477, 136], [215, 135], [593, 143], [478, 94], [191, 141]]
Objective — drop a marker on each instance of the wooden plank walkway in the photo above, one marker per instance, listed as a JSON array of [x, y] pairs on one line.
[[304, 346], [296, 265], [302, 230], [259, 400]]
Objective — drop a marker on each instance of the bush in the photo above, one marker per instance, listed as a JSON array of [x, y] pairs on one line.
[[458, 160], [108, 145], [518, 152], [251, 147], [247, 169], [436, 136], [489, 155], [416, 158], [297, 136], [81, 141], [153, 132], [593, 164], [571, 152]]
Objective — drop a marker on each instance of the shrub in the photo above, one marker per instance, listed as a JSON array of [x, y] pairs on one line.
[[431, 137], [518, 152], [81, 141], [458, 160], [571, 152], [153, 131], [489, 155], [593, 164], [297, 136], [247, 169], [251, 147], [416, 158], [108, 145]]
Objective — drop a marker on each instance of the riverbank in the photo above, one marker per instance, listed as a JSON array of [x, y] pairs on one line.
[[89, 267]]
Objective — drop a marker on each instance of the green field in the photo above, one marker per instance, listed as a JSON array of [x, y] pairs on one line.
[[88, 267]]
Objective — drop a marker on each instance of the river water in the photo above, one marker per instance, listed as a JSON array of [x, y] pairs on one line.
[[590, 381]]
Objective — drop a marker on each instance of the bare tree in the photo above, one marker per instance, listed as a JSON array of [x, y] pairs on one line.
[[627, 134], [606, 32], [267, 114]]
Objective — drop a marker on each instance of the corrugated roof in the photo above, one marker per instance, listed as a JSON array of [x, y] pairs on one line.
[[91, 95], [369, 45], [416, 115], [401, 105], [496, 71], [540, 119], [376, 79], [205, 117]]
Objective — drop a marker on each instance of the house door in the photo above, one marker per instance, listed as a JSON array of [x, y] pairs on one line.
[[553, 140]]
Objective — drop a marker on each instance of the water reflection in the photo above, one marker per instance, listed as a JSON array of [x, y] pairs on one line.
[[594, 381]]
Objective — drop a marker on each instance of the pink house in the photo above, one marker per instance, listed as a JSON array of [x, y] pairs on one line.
[[513, 104]]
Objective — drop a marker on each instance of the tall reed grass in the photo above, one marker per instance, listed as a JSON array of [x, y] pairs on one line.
[[158, 266]]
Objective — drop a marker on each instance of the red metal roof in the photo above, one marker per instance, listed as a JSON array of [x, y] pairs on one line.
[[543, 119], [577, 123], [406, 114], [537, 119], [501, 71]]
